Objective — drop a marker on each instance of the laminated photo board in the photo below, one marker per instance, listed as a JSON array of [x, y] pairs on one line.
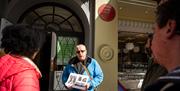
[[77, 81]]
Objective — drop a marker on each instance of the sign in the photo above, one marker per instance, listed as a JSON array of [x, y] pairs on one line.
[[4, 22], [106, 12]]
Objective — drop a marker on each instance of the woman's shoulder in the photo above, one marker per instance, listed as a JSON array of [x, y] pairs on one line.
[[17, 63], [10, 66]]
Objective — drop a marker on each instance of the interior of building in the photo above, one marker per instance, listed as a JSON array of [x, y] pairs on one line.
[[136, 19]]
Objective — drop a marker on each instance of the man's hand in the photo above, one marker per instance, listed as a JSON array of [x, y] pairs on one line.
[[69, 87], [87, 86]]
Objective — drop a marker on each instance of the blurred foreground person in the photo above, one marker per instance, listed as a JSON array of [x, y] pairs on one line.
[[166, 45], [18, 72]]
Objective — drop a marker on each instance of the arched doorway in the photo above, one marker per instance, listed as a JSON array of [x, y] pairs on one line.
[[66, 25], [62, 23]]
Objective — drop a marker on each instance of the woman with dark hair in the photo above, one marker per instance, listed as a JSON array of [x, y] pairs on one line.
[[18, 72], [154, 70]]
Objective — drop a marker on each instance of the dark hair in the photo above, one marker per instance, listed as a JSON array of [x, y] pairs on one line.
[[21, 39], [168, 10], [150, 37], [148, 50], [158, 1]]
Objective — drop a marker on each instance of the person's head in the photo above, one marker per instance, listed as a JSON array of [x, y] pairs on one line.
[[148, 45], [22, 40], [81, 52], [166, 37]]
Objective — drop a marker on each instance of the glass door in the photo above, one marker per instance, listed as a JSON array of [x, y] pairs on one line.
[[64, 52]]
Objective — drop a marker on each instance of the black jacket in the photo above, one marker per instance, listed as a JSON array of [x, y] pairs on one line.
[[154, 71], [170, 82]]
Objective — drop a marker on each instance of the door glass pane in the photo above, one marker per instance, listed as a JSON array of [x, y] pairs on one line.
[[65, 49]]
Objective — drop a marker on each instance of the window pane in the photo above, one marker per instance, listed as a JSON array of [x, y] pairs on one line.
[[65, 49]]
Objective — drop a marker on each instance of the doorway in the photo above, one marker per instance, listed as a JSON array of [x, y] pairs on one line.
[[63, 30]]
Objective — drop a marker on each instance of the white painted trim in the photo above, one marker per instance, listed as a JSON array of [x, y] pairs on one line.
[[135, 26]]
